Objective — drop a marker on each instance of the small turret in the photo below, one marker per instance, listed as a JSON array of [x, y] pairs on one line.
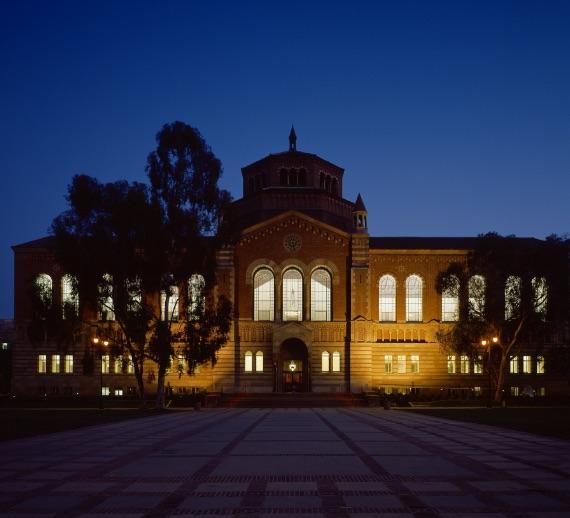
[[360, 215], [292, 140]]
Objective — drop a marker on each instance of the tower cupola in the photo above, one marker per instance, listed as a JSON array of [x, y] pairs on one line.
[[360, 215]]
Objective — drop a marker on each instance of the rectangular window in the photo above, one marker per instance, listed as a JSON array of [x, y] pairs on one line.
[[401, 364], [248, 367], [541, 392], [514, 365], [527, 364], [105, 391], [42, 364], [540, 364], [118, 391], [336, 361], [118, 364], [325, 362], [414, 363], [514, 391], [55, 359], [105, 362], [388, 364], [130, 366], [464, 364], [69, 363], [478, 365], [451, 364], [477, 391]]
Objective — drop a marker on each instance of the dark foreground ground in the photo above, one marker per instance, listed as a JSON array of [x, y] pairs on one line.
[[330, 462]]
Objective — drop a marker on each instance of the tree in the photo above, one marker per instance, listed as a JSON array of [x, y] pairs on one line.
[[510, 288], [132, 247]]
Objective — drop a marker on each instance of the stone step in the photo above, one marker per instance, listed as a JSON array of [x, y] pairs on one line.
[[287, 400]]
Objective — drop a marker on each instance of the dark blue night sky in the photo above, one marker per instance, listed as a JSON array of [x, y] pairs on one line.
[[451, 118]]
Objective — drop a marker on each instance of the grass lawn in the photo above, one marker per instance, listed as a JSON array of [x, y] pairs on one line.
[[552, 421], [25, 422]]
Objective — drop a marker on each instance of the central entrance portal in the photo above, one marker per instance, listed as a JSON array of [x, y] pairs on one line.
[[294, 366]]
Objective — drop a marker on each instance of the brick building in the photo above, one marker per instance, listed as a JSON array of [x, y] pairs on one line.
[[319, 304]]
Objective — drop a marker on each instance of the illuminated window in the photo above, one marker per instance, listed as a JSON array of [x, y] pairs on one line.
[[540, 364], [42, 363], [259, 361], [292, 295], [130, 366], [55, 361], [248, 361], [263, 295], [134, 294], [513, 286], [464, 364], [336, 361], [451, 364], [69, 299], [541, 392], [387, 364], [321, 295], [106, 306], [44, 288], [527, 364], [477, 297], [477, 391], [118, 391], [325, 361], [515, 391], [478, 365], [118, 365], [414, 299], [514, 365], [196, 285], [401, 364], [414, 363], [105, 391], [105, 364], [169, 304], [539, 296], [68, 363], [450, 300], [387, 298]]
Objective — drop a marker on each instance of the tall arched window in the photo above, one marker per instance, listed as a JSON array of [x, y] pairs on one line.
[[169, 304], [196, 285], [450, 300], [292, 295], [539, 295], [477, 297], [387, 298], [325, 361], [414, 288], [259, 361], [106, 305], [69, 298], [513, 286], [321, 295], [248, 364], [263, 294], [336, 361], [44, 288]]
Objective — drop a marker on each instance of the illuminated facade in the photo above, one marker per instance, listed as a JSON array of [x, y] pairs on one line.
[[319, 304]]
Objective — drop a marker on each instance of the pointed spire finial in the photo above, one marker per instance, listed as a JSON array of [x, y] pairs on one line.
[[292, 139]]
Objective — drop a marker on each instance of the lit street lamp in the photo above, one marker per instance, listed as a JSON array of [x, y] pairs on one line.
[[488, 344]]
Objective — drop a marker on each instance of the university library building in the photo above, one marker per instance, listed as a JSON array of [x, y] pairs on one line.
[[319, 304]]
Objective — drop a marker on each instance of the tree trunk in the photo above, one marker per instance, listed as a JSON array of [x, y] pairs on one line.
[[160, 396], [501, 377]]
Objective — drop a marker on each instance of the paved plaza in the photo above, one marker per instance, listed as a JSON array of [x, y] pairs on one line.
[[286, 462]]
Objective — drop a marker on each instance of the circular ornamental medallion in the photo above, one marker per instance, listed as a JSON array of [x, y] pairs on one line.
[[292, 243]]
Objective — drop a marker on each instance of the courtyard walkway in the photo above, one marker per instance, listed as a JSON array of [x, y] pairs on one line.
[[286, 462]]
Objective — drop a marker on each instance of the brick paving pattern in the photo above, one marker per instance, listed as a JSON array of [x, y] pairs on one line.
[[286, 462]]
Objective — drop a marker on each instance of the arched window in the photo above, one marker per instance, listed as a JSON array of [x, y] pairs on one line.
[[450, 300], [321, 295], [414, 288], [44, 288], [336, 362], [477, 297], [69, 298], [292, 295], [259, 361], [196, 306], [106, 305], [334, 186], [263, 294], [387, 298], [248, 365], [325, 361], [169, 307], [539, 296], [513, 286]]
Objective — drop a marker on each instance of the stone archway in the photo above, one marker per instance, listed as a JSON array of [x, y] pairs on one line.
[[293, 368]]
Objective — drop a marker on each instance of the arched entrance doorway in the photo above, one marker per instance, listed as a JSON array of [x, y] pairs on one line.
[[293, 367]]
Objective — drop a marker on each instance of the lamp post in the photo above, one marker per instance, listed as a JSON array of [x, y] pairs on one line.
[[104, 343], [488, 344]]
